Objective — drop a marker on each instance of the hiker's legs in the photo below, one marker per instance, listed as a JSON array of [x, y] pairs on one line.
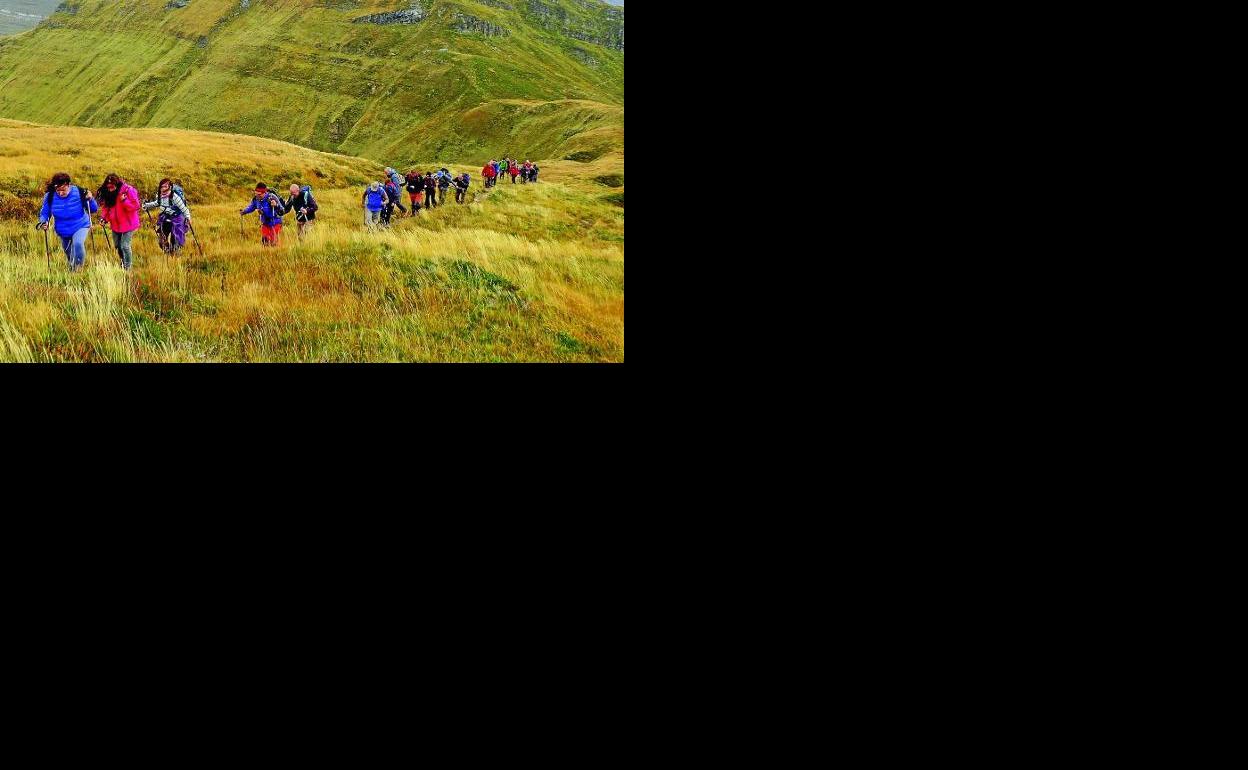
[[372, 219], [122, 242], [178, 232], [67, 245], [165, 230], [80, 246]]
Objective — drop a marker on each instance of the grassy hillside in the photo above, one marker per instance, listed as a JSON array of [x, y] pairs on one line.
[[470, 79], [521, 273]]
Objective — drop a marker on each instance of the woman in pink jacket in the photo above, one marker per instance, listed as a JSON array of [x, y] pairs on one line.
[[119, 207]]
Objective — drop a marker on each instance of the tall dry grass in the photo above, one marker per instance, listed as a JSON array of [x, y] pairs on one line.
[[522, 273]]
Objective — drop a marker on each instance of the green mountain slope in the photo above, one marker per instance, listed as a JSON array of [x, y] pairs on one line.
[[393, 81]]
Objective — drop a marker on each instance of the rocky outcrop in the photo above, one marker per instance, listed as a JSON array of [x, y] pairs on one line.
[[412, 15], [608, 32], [466, 23], [177, 4], [496, 4], [584, 57]]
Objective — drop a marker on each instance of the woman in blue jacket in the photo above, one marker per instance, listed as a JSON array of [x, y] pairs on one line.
[[373, 201], [69, 206]]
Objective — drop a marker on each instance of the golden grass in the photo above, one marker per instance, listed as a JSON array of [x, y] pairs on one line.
[[523, 273]]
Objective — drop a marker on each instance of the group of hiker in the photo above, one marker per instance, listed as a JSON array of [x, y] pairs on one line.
[[119, 204], [527, 171], [382, 197]]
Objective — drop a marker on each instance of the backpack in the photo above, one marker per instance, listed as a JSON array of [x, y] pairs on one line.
[[307, 193], [377, 197]]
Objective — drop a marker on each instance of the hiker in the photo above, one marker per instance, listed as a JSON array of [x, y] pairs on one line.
[[533, 173], [392, 199], [497, 173], [487, 173], [303, 204], [119, 208], [514, 170], [174, 216], [461, 187], [374, 201], [431, 190], [415, 189], [72, 207], [270, 208], [444, 183], [393, 176], [524, 172]]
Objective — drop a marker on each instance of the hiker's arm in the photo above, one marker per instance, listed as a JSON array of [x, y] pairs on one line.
[[92, 204], [312, 206], [127, 202], [45, 213], [180, 205]]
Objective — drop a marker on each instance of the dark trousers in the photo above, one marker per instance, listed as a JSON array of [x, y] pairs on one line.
[[431, 197], [459, 195]]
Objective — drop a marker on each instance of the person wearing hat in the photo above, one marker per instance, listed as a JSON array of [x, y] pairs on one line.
[[270, 208], [374, 201]]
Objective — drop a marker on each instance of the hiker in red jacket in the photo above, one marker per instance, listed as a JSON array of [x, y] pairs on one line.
[[488, 173], [415, 185], [514, 170]]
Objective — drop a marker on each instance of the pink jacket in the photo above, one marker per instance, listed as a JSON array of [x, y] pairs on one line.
[[124, 217]]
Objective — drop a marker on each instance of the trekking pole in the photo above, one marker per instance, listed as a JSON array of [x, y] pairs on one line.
[[47, 249], [196, 237], [153, 224], [241, 234]]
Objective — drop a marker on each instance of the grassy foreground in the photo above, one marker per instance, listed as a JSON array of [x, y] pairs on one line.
[[522, 273]]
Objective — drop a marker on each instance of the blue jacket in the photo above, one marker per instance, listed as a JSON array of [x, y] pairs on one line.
[[70, 218], [268, 215], [444, 179], [375, 201], [398, 180]]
